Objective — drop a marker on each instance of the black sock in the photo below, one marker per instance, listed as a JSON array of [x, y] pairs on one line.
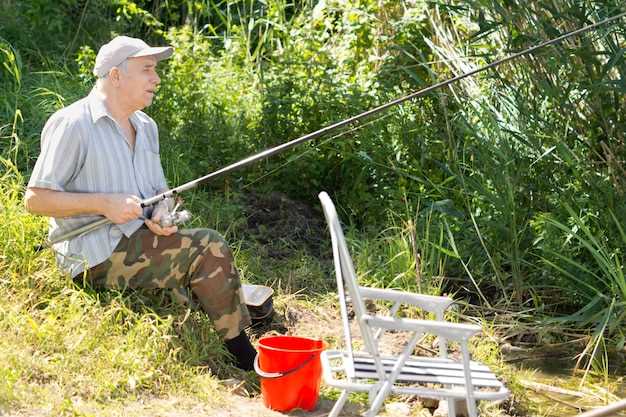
[[243, 351]]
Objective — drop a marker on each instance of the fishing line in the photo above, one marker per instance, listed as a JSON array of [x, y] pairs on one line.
[[358, 127], [292, 160]]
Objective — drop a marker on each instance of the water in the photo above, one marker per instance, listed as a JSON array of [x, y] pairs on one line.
[[565, 394]]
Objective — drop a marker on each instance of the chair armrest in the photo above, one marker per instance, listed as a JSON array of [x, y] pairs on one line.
[[453, 331], [430, 303]]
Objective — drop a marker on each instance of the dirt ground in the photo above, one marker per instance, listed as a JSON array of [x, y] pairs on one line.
[[292, 318], [233, 406], [272, 218]]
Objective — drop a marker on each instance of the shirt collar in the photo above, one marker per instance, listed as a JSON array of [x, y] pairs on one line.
[[97, 106], [98, 109]]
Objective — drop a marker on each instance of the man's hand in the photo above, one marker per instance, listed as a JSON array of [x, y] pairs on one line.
[[122, 208], [153, 224]]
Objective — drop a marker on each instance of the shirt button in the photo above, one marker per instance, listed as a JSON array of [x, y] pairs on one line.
[[115, 232]]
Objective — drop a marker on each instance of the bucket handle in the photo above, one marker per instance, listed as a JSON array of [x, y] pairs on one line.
[[274, 375]]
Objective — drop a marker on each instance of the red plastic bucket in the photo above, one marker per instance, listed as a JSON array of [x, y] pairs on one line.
[[290, 371]]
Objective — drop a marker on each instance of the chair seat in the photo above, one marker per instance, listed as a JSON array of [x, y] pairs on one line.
[[379, 375], [417, 370]]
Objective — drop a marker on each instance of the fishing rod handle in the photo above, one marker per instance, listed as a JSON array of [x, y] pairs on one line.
[[182, 217], [80, 231], [89, 227]]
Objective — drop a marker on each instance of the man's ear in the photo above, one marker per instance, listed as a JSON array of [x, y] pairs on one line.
[[114, 76]]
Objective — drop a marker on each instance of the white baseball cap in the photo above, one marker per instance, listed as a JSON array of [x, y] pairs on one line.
[[122, 47]]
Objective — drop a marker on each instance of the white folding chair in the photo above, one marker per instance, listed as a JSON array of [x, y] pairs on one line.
[[367, 370]]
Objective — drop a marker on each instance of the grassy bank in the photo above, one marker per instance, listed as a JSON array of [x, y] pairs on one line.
[[69, 350], [59, 341]]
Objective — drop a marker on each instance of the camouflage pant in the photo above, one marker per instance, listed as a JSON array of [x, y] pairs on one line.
[[196, 259]]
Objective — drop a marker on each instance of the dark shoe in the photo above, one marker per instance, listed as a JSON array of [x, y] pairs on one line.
[[243, 351]]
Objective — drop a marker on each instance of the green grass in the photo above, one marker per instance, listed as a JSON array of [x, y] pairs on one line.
[[58, 340]]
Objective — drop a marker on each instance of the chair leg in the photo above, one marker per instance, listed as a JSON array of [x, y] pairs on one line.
[[451, 407], [377, 402], [341, 401], [471, 408]]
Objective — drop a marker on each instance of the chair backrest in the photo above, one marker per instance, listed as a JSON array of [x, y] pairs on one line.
[[346, 278]]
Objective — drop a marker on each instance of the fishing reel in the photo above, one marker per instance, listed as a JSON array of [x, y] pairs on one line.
[[173, 216]]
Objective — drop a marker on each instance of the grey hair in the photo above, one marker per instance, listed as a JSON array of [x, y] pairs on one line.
[[123, 66]]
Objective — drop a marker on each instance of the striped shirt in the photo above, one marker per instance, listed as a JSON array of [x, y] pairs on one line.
[[83, 150]]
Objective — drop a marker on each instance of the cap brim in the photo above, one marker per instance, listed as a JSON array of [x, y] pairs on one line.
[[159, 52]]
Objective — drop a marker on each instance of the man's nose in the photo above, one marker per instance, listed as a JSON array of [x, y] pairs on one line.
[[156, 80]]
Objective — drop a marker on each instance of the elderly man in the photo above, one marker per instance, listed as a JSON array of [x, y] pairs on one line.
[[100, 157]]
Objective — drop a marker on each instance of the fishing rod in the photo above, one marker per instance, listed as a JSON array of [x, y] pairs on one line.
[[325, 130]]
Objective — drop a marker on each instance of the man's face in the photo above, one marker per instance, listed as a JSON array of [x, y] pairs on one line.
[[139, 83]]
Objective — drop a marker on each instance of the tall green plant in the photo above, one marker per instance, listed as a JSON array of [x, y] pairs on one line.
[[594, 267], [409, 254], [10, 114]]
